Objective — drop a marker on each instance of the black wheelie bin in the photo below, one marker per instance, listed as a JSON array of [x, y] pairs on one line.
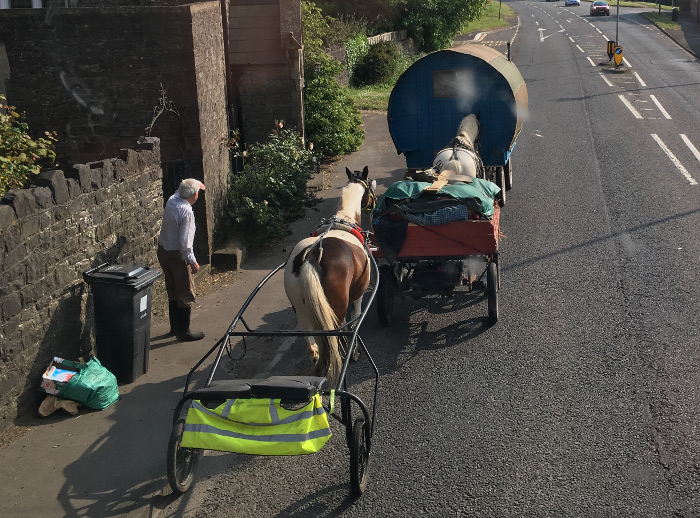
[[122, 296]]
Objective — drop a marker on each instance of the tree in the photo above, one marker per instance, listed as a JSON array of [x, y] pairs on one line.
[[435, 23], [331, 120]]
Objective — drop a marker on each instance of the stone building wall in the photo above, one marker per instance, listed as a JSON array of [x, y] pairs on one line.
[[99, 75], [265, 52], [106, 211]]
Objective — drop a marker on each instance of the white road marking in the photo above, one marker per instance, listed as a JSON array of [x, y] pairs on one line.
[[624, 60], [675, 161], [630, 107], [690, 145], [589, 59], [480, 36], [605, 79], [280, 352], [579, 48], [639, 79], [661, 108]]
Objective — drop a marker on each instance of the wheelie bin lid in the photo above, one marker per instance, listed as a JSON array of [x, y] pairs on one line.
[[129, 275]]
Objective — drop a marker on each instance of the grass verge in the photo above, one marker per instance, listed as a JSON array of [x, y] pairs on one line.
[[376, 97]]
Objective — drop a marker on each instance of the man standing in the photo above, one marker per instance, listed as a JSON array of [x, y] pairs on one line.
[[176, 257]]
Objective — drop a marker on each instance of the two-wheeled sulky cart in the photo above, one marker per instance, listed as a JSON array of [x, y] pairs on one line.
[[290, 396]]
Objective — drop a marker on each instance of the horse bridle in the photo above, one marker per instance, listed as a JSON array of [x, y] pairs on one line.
[[369, 200]]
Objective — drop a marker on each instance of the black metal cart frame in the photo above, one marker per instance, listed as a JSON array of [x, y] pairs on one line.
[[182, 462]]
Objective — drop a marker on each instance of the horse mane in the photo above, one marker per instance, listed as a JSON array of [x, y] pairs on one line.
[[351, 202]]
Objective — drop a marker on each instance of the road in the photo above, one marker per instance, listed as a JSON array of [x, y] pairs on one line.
[[582, 400]]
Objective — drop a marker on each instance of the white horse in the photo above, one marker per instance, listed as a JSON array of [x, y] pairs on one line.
[[462, 156], [327, 273]]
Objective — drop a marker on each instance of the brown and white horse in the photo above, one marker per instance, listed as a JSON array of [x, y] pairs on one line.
[[327, 272]]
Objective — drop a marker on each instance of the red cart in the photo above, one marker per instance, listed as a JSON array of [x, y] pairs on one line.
[[444, 260]]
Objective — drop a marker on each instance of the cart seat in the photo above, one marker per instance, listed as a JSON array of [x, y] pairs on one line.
[[288, 388]]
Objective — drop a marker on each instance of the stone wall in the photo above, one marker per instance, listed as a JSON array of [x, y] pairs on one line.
[[106, 211], [99, 75], [265, 52]]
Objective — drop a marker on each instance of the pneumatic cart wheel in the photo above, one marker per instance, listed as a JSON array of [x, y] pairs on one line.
[[492, 292], [385, 295], [508, 173], [181, 462], [501, 182], [359, 458]]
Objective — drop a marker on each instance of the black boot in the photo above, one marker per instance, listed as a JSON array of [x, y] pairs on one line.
[[184, 333], [172, 313]]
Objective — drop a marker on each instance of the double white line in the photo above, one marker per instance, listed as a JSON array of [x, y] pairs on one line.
[[675, 160]]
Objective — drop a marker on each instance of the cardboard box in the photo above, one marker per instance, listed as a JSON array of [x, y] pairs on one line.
[[56, 376]]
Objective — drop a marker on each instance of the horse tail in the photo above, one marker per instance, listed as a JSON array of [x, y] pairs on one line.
[[329, 361]]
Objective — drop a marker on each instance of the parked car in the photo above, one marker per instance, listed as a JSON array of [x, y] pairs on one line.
[[600, 7], [567, 3]]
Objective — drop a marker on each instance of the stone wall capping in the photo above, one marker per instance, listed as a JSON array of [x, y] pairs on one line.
[[56, 181], [8, 217], [49, 235]]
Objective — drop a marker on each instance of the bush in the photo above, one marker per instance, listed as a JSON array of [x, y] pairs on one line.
[[379, 65], [21, 157], [270, 192], [331, 120], [356, 48]]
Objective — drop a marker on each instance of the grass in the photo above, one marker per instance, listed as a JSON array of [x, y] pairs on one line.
[[662, 20], [376, 97]]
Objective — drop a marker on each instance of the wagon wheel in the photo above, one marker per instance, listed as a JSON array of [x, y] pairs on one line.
[[181, 462], [385, 295], [508, 173], [492, 292], [501, 182], [359, 458]]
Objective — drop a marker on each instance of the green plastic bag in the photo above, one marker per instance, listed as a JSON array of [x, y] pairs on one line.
[[93, 386]]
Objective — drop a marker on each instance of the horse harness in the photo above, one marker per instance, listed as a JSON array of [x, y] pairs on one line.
[[369, 201]]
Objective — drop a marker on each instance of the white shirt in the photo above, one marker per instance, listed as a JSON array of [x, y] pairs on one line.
[[177, 232]]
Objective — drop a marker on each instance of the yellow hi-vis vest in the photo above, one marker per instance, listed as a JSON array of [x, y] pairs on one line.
[[258, 427]]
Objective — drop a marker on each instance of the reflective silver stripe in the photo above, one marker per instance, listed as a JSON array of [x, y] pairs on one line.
[[307, 414], [227, 408], [273, 413], [297, 437]]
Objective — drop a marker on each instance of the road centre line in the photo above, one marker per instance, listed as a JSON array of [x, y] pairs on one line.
[[579, 48], [630, 107], [639, 79], [572, 40], [605, 79], [690, 145], [624, 60], [589, 59], [675, 161], [661, 108]]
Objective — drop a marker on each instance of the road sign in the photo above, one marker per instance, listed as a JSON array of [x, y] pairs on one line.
[[618, 56], [611, 49]]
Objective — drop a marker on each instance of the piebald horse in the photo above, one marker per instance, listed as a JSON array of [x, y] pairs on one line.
[[328, 271], [462, 155]]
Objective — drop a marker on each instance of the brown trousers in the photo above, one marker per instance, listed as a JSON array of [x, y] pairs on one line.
[[179, 281]]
